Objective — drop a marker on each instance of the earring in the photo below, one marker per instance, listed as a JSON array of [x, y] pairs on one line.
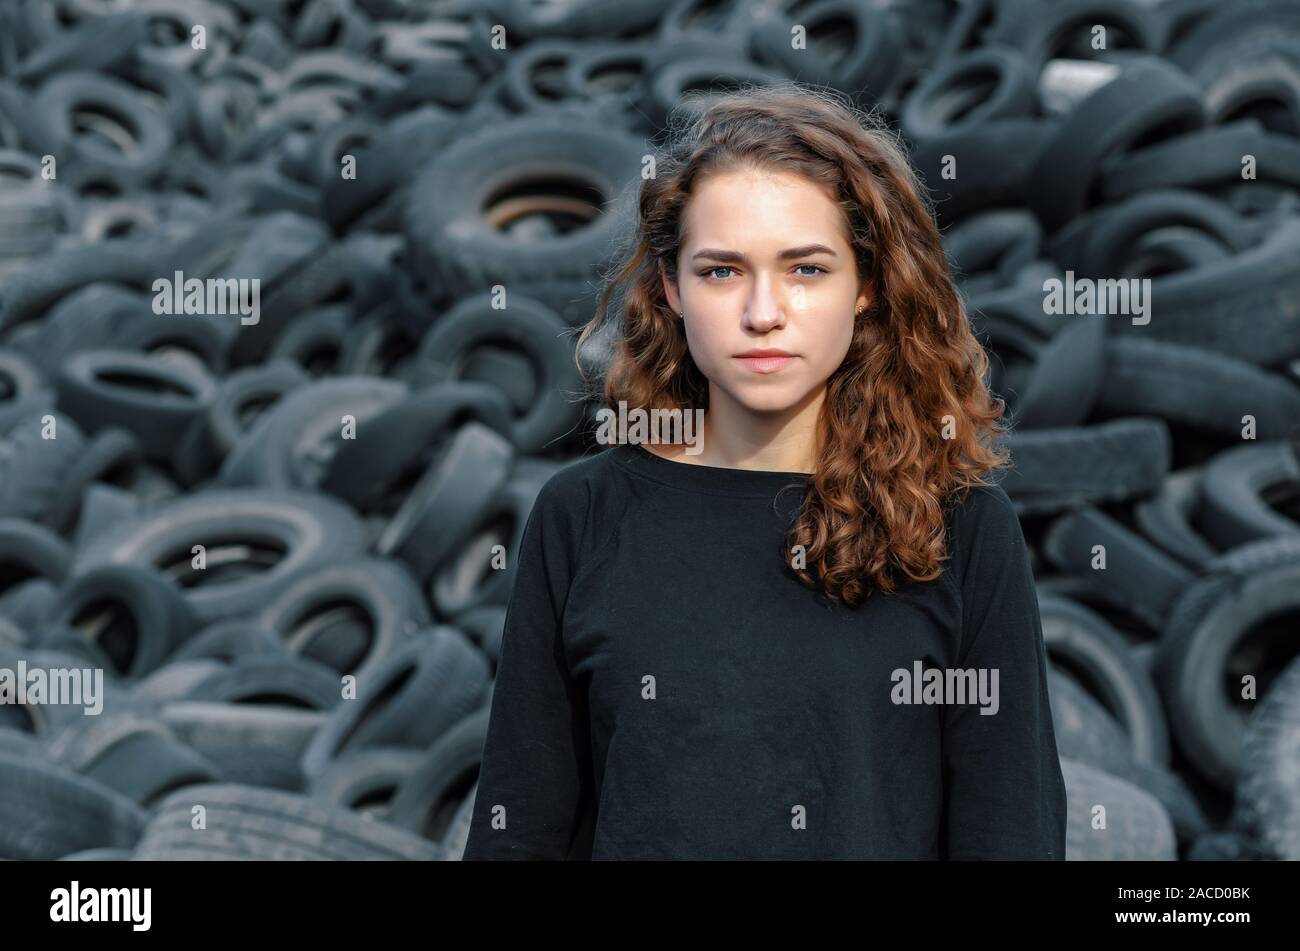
[[681, 315]]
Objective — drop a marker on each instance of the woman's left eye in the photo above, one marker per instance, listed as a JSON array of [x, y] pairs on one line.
[[817, 269]]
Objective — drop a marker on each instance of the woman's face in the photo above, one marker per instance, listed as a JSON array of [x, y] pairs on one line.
[[765, 265]]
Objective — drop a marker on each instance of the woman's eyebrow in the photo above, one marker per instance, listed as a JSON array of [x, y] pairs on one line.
[[718, 254]]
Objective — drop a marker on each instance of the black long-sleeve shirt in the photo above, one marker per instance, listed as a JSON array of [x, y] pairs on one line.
[[667, 689]]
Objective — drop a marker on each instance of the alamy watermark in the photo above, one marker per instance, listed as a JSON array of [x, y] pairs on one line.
[[55, 686], [75, 903], [215, 295], [1109, 296], [651, 426], [946, 685]]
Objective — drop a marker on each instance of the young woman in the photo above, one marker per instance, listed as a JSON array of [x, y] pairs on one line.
[[812, 633]]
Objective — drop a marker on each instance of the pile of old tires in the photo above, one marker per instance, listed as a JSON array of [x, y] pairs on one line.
[[234, 516]]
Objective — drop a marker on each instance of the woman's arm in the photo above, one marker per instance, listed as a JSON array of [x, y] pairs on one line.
[[535, 782], [1004, 795]]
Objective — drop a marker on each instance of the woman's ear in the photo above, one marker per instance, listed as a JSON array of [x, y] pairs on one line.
[[670, 289], [866, 296]]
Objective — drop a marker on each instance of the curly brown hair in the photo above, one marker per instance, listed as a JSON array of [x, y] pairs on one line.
[[914, 377]]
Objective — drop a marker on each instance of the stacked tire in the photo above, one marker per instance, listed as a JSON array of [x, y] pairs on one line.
[[287, 535]]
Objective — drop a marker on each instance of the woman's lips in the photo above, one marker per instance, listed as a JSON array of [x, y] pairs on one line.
[[766, 364]]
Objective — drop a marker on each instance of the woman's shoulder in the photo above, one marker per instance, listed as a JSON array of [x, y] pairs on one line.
[[985, 500], [576, 480], [587, 490], [583, 503], [981, 516]]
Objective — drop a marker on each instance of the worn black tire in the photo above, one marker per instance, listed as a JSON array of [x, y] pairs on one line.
[[365, 780], [379, 344], [310, 280], [32, 467], [350, 615], [11, 635], [1210, 643], [176, 679], [1173, 249], [290, 445], [1166, 519], [1066, 378], [145, 767], [583, 19], [1268, 793], [1136, 572], [1202, 158], [1013, 349], [239, 398], [431, 796], [21, 383], [1195, 387], [486, 626], [431, 683], [113, 456], [26, 294], [957, 94], [62, 96], [446, 82], [369, 472], [1080, 643], [1056, 469], [103, 505], [27, 551], [1251, 44], [1111, 610], [1104, 242], [1235, 486], [855, 47], [314, 339], [471, 578], [134, 613], [1147, 95], [25, 606], [228, 640], [610, 73], [1085, 732], [1257, 289], [388, 164], [992, 164], [97, 43], [40, 721], [271, 680], [1137, 826], [260, 745], [242, 530], [444, 508], [268, 247], [1042, 30], [152, 399], [525, 325], [534, 80], [47, 812], [1001, 241], [273, 825], [80, 741], [452, 236], [682, 90]]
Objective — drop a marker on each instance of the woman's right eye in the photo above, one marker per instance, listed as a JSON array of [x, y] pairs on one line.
[[713, 271]]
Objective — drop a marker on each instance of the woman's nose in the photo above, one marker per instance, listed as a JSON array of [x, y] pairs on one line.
[[766, 309]]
